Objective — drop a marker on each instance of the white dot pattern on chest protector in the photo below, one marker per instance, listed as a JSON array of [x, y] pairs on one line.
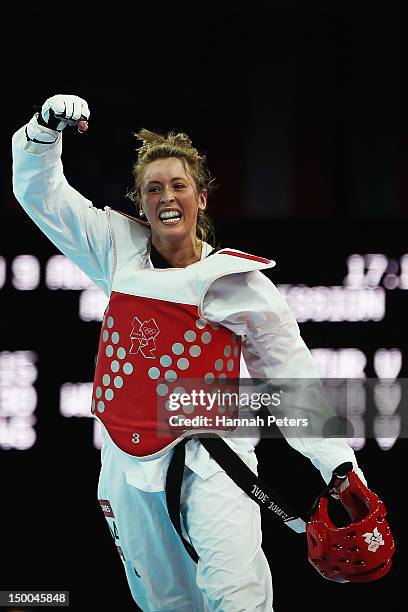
[[190, 335], [154, 373], [219, 364], [127, 368], [162, 389], [170, 407], [195, 350], [184, 354], [177, 348], [109, 394], [206, 337], [188, 409], [166, 361], [170, 375], [115, 366], [118, 382], [183, 363]]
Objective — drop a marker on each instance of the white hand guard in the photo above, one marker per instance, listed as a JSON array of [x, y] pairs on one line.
[[61, 110]]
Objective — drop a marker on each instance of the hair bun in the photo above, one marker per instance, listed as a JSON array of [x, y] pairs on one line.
[[150, 140], [181, 139]]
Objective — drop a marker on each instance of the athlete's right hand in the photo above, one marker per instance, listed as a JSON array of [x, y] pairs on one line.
[[61, 110]]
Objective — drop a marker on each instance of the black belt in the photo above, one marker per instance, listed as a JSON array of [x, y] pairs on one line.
[[239, 472]]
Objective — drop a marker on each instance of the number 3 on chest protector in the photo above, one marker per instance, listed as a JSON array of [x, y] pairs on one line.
[[135, 438]]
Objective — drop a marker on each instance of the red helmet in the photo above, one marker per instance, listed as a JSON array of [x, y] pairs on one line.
[[361, 551]]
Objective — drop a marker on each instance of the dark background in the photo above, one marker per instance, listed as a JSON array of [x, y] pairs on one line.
[[301, 111]]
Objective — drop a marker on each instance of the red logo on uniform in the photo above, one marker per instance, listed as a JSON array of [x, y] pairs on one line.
[[143, 336], [106, 508]]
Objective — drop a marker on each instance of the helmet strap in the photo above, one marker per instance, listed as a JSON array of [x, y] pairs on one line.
[[339, 473]]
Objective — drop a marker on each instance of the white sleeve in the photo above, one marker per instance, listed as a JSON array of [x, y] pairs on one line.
[[250, 305], [69, 220]]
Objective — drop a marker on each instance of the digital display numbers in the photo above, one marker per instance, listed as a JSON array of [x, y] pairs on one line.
[[361, 297], [18, 399]]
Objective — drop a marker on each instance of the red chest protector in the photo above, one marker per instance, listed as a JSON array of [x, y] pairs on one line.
[[146, 346], [154, 339]]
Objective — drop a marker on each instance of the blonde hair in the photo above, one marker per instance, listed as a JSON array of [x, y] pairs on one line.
[[156, 146]]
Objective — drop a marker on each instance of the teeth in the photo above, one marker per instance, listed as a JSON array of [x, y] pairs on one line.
[[170, 214], [171, 221]]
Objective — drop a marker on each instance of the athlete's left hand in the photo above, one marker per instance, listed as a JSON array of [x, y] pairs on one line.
[[335, 490]]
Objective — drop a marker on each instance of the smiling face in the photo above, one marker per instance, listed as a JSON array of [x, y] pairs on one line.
[[170, 201]]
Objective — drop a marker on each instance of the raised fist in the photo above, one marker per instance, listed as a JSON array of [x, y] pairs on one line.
[[61, 110]]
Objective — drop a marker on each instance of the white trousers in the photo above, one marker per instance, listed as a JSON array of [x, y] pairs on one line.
[[222, 523]]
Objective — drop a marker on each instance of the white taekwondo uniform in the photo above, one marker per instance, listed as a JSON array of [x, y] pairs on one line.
[[159, 325]]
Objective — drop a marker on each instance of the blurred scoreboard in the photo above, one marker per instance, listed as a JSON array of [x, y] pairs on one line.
[[41, 331]]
